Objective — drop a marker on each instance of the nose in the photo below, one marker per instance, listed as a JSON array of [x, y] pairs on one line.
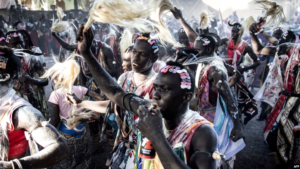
[[156, 94], [136, 57]]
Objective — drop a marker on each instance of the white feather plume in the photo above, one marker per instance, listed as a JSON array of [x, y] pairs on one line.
[[144, 15]]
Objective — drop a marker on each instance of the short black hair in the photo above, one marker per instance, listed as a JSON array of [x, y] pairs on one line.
[[172, 63], [291, 35], [13, 65]]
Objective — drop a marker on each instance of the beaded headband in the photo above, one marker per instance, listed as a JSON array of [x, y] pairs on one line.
[[204, 40], [184, 75], [152, 42]]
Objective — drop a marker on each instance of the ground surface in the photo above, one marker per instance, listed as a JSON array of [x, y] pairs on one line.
[[256, 155]]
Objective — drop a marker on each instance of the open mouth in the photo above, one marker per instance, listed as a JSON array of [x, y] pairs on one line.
[[4, 77], [135, 65]]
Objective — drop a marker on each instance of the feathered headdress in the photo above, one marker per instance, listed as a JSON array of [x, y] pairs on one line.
[[205, 19], [144, 15], [126, 41], [58, 25], [64, 72], [246, 25]]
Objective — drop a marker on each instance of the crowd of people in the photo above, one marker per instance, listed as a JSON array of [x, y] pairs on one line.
[[159, 105]]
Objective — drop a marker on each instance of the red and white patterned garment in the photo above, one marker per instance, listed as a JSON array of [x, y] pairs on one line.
[[234, 52], [17, 140], [127, 82]]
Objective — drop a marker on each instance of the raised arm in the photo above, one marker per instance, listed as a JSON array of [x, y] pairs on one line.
[[55, 149], [107, 84], [257, 47], [63, 43], [38, 82], [191, 33], [271, 39]]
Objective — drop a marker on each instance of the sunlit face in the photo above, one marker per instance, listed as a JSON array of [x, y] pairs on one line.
[[142, 56], [167, 93], [126, 64]]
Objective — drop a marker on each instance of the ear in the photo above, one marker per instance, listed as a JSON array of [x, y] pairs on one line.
[[187, 97]]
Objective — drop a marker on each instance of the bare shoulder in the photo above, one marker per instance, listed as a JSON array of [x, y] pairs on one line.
[[27, 118], [205, 139]]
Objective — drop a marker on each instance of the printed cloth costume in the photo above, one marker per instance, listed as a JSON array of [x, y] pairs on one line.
[[217, 115], [76, 140], [244, 97], [129, 131], [275, 115], [269, 92], [16, 138], [290, 117]]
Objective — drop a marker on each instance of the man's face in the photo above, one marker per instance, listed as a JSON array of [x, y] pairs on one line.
[[200, 48], [235, 33], [126, 64], [183, 39], [142, 57], [277, 34], [167, 94]]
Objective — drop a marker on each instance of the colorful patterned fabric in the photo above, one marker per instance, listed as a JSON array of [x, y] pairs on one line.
[[235, 51], [203, 96], [273, 84], [287, 85], [246, 103]]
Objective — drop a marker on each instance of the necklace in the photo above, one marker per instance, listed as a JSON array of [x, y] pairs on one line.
[[134, 87]]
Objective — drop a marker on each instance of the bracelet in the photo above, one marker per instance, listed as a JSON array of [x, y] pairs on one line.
[[123, 99], [18, 163]]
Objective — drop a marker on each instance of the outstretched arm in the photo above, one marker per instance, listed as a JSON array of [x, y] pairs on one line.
[[63, 43], [38, 82], [191, 33], [107, 84], [55, 149], [271, 39], [257, 47]]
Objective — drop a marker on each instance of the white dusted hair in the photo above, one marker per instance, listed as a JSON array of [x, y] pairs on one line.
[[144, 15], [64, 72], [205, 19], [58, 25], [126, 41]]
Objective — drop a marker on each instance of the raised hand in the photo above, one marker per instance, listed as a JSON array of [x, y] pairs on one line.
[[87, 41], [177, 13], [150, 122]]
